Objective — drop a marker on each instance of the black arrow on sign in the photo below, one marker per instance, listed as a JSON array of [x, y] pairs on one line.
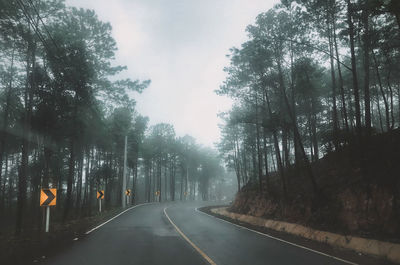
[[101, 194], [50, 197]]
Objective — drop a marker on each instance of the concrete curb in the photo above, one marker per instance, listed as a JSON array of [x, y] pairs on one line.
[[390, 251]]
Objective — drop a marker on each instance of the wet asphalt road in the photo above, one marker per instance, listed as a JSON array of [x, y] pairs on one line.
[[144, 235]]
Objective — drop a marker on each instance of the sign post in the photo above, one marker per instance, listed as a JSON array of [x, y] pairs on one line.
[[48, 197], [100, 196], [47, 218]]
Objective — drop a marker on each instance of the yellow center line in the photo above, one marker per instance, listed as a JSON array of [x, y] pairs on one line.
[[204, 255]]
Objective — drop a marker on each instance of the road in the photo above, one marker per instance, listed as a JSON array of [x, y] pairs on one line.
[[145, 235]]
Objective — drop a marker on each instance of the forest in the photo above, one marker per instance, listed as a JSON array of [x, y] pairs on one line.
[[64, 115], [313, 135]]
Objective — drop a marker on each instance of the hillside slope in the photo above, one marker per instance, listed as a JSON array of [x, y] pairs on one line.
[[358, 192]]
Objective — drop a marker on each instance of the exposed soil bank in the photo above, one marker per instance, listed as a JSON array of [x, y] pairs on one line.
[[386, 250]]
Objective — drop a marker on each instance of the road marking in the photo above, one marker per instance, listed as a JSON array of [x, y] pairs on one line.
[[204, 255], [97, 227], [279, 239]]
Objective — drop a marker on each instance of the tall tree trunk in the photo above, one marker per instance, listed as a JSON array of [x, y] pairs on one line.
[[354, 67], [366, 41], [134, 182], [398, 102], [296, 130], [70, 179], [259, 155], [159, 179], [236, 157], [71, 162], [3, 187], [149, 194], [26, 135], [333, 77], [86, 188], [245, 175], [391, 96], [285, 149], [182, 181], [80, 181], [166, 178], [341, 86], [293, 103], [266, 160], [314, 134], [277, 153], [382, 93], [379, 112], [6, 114], [172, 177]]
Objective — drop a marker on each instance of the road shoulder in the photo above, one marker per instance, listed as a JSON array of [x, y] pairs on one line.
[[340, 253]]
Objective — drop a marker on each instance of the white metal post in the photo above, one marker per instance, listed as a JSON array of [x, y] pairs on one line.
[[99, 205], [47, 218]]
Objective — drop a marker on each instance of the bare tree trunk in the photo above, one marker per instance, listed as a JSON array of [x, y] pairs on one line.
[[366, 40], [172, 177], [295, 128], [278, 153], [134, 182], [354, 67], [391, 98], [23, 171], [3, 187], [4, 129], [379, 112], [266, 160], [245, 167], [86, 188], [286, 161], [343, 98], [333, 77], [382, 93], [166, 178], [159, 179], [70, 179], [80, 181], [236, 156], [259, 155]]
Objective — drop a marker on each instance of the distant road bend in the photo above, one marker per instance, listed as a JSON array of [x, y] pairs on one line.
[[176, 233]]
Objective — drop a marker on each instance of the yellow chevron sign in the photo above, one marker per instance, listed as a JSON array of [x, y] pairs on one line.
[[48, 197], [100, 194]]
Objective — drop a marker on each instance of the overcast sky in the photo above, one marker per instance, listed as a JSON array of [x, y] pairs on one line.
[[181, 46]]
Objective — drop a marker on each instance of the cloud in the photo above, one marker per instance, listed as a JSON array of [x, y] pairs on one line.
[[181, 46]]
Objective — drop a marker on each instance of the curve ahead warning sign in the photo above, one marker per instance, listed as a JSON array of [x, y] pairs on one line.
[[48, 197], [100, 194]]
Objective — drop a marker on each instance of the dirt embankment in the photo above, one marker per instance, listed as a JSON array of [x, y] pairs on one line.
[[358, 192]]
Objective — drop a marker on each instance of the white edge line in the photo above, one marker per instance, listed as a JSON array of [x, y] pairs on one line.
[[279, 239], [100, 225]]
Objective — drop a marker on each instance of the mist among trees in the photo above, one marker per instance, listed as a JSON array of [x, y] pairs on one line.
[[316, 106], [64, 115]]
